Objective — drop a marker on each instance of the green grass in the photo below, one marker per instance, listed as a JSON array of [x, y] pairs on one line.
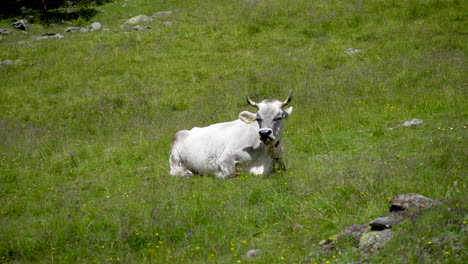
[[86, 124]]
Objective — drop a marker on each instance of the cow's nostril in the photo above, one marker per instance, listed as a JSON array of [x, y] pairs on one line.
[[264, 132]]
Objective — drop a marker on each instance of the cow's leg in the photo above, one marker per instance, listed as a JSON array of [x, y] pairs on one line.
[[227, 169], [177, 166]]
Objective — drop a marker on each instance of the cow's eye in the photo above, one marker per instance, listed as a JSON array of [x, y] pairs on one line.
[[259, 119], [278, 118]]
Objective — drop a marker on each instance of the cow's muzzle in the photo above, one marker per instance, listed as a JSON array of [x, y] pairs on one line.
[[266, 135]]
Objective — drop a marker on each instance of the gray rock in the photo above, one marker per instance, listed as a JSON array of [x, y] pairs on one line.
[[96, 26], [21, 24], [84, 30], [253, 253], [375, 240], [411, 201], [141, 28], [72, 29], [167, 23], [162, 13], [139, 19], [9, 62], [352, 51], [5, 31], [50, 35], [412, 122], [385, 222], [6, 62], [135, 28]]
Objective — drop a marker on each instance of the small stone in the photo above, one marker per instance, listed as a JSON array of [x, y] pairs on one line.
[[385, 222], [167, 23], [411, 201], [141, 28], [139, 19], [96, 26], [412, 122], [5, 31], [50, 35], [352, 51], [162, 13], [253, 252], [84, 30], [7, 62], [72, 29]]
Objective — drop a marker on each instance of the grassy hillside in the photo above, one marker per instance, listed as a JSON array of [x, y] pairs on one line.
[[86, 124]]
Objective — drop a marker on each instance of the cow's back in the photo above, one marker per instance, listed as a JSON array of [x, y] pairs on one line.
[[202, 150]]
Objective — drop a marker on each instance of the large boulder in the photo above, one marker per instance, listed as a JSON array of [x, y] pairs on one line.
[[411, 201], [374, 237]]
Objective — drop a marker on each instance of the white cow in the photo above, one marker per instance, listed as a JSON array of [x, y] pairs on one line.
[[250, 144]]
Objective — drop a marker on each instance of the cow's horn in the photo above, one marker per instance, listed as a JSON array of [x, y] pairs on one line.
[[252, 103], [288, 99]]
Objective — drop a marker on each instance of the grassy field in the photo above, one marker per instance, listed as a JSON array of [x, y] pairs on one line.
[[86, 124]]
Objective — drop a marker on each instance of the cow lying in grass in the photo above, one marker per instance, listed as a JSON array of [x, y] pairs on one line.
[[250, 144]]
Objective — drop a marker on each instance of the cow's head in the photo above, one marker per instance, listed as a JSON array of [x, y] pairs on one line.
[[269, 117]]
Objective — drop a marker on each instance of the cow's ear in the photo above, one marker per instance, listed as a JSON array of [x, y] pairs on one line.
[[247, 117], [287, 112]]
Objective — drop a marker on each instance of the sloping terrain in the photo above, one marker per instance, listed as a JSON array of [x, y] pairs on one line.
[[86, 123]]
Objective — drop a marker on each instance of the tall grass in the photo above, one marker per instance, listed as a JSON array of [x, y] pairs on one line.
[[86, 124]]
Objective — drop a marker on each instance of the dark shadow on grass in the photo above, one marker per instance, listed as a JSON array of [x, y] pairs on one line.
[[56, 11], [61, 15]]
